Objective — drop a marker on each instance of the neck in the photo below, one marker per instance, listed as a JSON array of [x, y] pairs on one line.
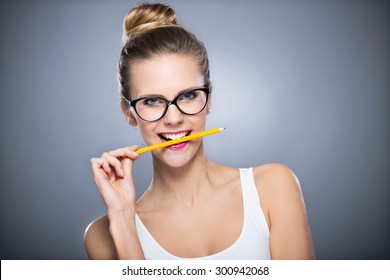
[[183, 185]]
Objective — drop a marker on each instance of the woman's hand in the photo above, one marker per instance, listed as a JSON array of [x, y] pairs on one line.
[[114, 180]]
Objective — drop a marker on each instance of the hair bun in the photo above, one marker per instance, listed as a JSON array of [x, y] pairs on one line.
[[147, 17]]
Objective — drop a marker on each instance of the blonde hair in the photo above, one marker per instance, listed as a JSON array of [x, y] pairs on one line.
[[151, 29], [146, 17]]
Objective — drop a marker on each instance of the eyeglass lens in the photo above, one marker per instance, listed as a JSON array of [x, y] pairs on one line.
[[189, 102]]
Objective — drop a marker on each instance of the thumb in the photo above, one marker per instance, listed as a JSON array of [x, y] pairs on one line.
[[127, 163], [127, 167]]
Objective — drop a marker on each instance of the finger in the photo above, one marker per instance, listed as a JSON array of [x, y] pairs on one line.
[[125, 152], [106, 166], [129, 152], [103, 164], [127, 166], [101, 177], [98, 165], [114, 162], [134, 147], [134, 155]]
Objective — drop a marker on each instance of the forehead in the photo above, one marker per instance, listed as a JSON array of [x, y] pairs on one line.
[[165, 74]]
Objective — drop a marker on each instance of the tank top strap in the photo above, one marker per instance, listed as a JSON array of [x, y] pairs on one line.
[[252, 206]]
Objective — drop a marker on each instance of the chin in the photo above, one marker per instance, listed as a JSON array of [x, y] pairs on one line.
[[178, 158], [176, 163]]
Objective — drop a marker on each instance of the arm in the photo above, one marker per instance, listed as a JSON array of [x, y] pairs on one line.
[[284, 206], [115, 235], [102, 237], [98, 242], [125, 236]]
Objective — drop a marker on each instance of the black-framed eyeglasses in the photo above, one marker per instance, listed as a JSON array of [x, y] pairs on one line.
[[153, 108]]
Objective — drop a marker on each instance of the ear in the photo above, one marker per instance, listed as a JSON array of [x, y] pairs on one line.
[[126, 109]]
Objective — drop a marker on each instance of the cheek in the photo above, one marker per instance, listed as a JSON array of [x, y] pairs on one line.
[[198, 122], [148, 132], [201, 118]]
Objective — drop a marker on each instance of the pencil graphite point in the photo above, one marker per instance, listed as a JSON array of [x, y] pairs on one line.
[[177, 141]]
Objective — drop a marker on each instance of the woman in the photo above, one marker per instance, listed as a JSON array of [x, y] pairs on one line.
[[193, 208]]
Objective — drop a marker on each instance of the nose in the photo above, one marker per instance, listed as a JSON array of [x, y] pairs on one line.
[[173, 116]]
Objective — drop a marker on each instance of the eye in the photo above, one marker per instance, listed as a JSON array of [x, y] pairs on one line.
[[188, 96], [152, 101]]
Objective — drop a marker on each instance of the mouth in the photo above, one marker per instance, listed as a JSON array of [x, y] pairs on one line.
[[167, 136]]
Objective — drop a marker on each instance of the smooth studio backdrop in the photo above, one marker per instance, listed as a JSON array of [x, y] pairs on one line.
[[303, 83]]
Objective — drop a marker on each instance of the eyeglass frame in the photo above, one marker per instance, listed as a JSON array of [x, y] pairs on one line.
[[133, 102]]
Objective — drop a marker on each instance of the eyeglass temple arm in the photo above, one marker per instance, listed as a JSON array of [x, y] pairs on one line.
[[127, 100]]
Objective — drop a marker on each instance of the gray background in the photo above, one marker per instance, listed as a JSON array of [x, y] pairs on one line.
[[304, 83]]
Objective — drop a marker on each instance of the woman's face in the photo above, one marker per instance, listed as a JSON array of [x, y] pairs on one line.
[[165, 76]]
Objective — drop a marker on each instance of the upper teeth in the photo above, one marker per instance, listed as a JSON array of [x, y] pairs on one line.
[[174, 136]]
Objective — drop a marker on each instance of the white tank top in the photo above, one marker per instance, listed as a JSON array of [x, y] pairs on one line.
[[252, 244]]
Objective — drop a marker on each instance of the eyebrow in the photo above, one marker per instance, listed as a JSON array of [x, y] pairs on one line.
[[149, 95], [162, 96]]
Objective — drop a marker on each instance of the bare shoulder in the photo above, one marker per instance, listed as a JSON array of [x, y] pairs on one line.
[[97, 240], [275, 173], [277, 186], [276, 179], [282, 201]]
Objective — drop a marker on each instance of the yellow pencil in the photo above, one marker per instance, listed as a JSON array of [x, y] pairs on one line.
[[177, 141]]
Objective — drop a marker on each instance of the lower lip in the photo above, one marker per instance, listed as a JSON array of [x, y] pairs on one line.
[[178, 147]]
